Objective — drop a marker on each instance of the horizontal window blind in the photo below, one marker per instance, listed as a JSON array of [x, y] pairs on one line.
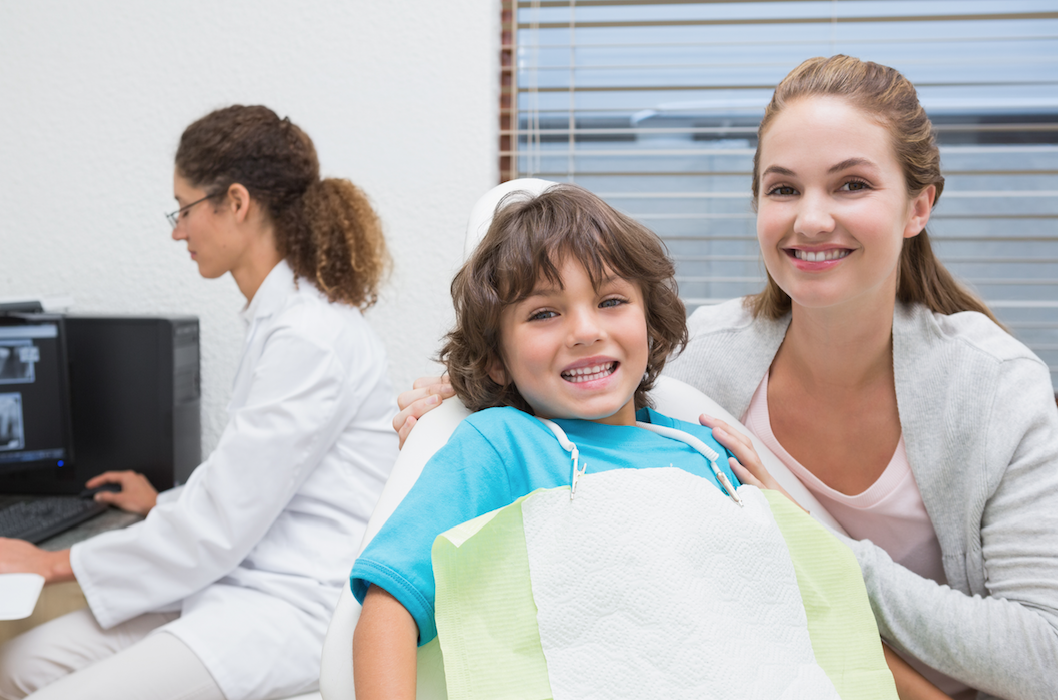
[[654, 106]]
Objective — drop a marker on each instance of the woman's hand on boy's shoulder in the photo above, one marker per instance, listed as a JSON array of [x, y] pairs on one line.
[[426, 394], [746, 463]]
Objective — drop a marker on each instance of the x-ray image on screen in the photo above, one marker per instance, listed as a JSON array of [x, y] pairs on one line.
[[11, 430], [18, 358]]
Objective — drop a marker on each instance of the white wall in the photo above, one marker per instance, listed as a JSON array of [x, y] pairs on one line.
[[400, 97]]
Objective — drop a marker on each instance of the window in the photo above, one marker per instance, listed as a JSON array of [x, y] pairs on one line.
[[654, 106]]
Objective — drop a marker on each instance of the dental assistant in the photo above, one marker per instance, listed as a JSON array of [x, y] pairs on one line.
[[226, 589]]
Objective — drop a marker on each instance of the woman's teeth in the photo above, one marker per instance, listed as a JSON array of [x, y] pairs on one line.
[[822, 255], [587, 374]]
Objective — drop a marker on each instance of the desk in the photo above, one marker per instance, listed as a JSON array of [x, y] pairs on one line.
[[60, 598]]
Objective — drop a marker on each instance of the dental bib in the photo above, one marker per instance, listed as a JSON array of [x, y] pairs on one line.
[[650, 583]]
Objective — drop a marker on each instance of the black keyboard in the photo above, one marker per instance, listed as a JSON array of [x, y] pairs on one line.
[[36, 518]]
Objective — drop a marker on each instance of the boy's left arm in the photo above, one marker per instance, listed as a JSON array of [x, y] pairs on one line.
[[385, 645]]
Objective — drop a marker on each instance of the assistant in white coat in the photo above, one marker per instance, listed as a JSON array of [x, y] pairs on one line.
[[253, 551]]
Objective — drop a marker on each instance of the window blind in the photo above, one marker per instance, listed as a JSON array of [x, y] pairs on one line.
[[655, 105]]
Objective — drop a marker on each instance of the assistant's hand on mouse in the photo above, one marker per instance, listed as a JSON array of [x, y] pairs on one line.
[[746, 464], [136, 495], [425, 395]]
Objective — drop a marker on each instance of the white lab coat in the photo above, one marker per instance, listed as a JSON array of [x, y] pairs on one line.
[[255, 549]]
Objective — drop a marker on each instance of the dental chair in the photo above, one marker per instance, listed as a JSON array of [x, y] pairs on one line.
[[672, 397]]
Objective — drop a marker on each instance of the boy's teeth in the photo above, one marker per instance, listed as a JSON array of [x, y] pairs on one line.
[[587, 374], [822, 255]]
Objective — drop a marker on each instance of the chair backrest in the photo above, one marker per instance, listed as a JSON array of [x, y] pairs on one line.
[[672, 397]]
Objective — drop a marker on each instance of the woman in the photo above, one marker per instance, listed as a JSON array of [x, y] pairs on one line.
[[925, 429], [226, 589]]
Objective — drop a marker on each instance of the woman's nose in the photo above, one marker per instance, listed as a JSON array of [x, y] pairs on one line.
[[814, 215]]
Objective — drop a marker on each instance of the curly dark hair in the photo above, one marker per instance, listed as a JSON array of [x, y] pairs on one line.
[[325, 229], [527, 240]]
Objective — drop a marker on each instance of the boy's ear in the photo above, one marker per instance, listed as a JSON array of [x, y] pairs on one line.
[[497, 372]]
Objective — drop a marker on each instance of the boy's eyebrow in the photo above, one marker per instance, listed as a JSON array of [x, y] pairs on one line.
[[552, 289]]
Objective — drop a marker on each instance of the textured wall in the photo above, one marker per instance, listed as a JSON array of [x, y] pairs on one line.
[[399, 97]]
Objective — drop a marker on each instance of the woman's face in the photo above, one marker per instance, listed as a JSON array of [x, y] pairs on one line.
[[213, 241], [833, 209]]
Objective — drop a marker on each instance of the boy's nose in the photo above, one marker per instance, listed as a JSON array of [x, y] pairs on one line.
[[584, 328]]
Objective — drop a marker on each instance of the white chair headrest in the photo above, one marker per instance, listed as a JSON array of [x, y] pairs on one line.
[[483, 211]]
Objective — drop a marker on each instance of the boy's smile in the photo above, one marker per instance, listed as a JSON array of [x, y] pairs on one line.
[[574, 351]]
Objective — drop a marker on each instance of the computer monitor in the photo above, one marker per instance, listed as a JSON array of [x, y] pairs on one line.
[[35, 426]]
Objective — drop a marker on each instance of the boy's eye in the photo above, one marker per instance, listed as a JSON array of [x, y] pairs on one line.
[[782, 191], [542, 315]]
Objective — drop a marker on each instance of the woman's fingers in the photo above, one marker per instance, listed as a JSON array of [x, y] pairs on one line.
[[423, 387], [104, 478], [405, 431], [427, 394], [717, 424], [745, 454], [744, 475], [137, 495]]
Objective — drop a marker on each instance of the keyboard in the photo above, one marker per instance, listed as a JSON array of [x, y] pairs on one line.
[[36, 518]]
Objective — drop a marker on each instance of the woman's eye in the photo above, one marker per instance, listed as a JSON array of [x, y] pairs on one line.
[[855, 186], [542, 315], [782, 191]]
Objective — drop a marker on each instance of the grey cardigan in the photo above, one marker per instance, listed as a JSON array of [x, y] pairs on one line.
[[981, 430]]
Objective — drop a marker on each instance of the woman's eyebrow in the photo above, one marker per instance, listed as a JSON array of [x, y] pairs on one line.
[[850, 163], [778, 170]]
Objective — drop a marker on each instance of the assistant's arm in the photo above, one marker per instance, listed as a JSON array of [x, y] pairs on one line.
[[384, 649], [1006, 642], [297, 405]]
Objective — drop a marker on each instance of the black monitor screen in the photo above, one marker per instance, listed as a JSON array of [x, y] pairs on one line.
[[34, 395]]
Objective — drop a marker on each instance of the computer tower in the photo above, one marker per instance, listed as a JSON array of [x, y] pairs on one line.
[[135, 396]]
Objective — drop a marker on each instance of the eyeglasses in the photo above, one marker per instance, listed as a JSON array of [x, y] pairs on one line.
[[174, 217]]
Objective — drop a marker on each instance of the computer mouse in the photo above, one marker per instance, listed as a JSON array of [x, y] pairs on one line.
[[89, 493]]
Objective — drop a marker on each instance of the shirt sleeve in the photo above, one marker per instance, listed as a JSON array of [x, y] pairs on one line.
[[464, 479], [1004, 643], [294, 411]]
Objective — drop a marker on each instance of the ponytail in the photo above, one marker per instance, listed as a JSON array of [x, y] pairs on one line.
[[334, 238]]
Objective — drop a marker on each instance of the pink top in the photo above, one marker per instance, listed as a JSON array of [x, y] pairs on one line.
[[890, 513]]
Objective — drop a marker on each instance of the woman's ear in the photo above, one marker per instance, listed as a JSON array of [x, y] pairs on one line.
[[239, 201], [920, 208]]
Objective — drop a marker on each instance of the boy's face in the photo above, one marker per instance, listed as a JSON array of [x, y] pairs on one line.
[[576, 352]]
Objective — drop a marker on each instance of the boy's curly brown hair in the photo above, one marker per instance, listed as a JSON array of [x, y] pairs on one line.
[[528, 240]]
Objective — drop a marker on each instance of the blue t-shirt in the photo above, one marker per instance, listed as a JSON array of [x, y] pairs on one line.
[[493, 458]]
